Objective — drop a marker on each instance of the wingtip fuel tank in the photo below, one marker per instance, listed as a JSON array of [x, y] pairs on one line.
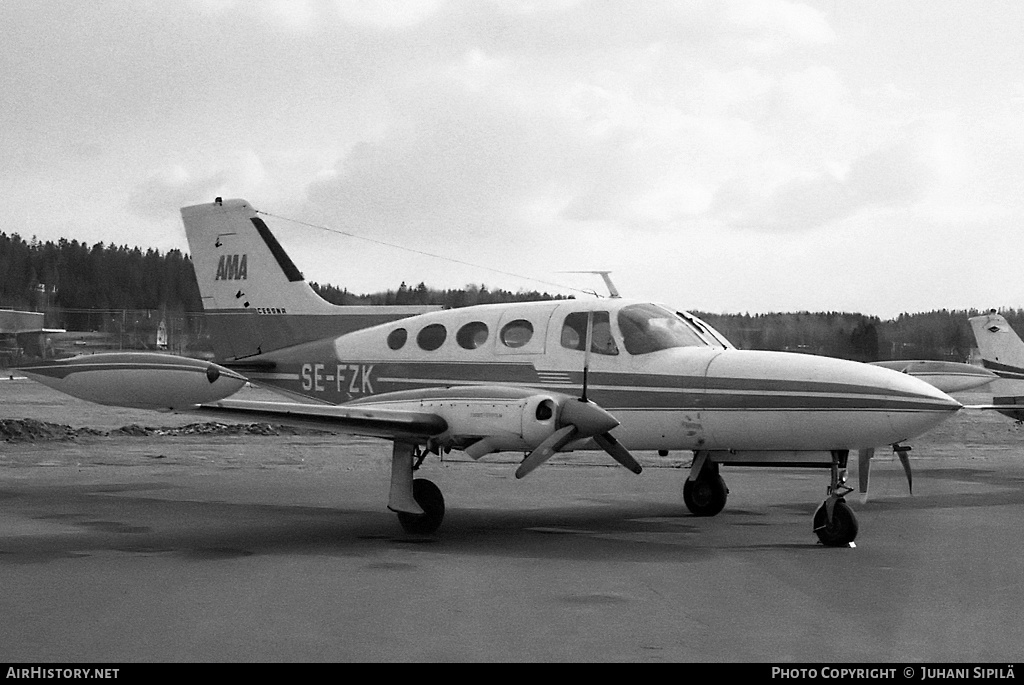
[[143, 380]]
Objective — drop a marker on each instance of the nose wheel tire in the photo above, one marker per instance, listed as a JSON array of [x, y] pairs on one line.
[[705, 496], [430, 499], [841, 530]]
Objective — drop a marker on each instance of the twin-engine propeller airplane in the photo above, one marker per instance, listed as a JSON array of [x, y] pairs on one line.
[[539, 378]]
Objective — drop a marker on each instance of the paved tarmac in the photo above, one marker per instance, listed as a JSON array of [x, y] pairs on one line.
[[280, 549]]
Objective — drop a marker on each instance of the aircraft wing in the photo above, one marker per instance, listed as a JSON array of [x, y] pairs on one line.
[[479, 419], [373, 422], [1013, 407]]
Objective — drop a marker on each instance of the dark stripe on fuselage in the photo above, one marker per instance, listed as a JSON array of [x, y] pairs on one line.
[[498, 373], [618, 391]]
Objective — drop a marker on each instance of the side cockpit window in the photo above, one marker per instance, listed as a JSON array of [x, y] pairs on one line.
[[648, 328], [574, 333]]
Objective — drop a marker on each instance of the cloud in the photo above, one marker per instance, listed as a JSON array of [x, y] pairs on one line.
[[168, 189], [386, 14], [459, 163], [772, 25], [894, 176], [164, 192]]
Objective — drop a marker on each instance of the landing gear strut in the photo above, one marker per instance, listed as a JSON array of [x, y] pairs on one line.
[[704, 491], [418, 503], [834, 522]]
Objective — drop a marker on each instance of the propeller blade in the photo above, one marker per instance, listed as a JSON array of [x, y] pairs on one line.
[[864, 469], [619, 453], [905, 460], [543, 451]]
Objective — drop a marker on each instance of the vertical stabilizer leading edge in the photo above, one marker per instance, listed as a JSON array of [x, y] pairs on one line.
[[255, 298]]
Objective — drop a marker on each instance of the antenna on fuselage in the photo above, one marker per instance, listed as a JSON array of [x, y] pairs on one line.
[[613, 292]]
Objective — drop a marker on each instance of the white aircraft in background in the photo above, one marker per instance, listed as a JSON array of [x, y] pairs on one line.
[[539, 378], [948, 377]]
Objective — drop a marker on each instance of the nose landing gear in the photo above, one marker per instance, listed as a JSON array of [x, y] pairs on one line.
[[834, 522]]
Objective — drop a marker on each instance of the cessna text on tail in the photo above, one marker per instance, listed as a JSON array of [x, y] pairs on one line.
[[616, 375]]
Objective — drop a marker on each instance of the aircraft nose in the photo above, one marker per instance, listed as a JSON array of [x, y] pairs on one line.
[[919, 405], [780, 400]]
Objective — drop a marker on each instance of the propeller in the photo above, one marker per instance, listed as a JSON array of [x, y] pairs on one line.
[[580, 419], [619, 453], [864, 466], [901, 452]]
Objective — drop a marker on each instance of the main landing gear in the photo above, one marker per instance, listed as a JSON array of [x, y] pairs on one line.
[[834, 522], [704, 491], [431, 501], [418, 503]]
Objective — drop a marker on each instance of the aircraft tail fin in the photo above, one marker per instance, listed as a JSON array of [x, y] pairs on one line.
[[1002, 350], [239, 263], [255, 298]]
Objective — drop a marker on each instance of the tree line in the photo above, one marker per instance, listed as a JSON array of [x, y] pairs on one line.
[[468, 296], [941, 334], [69, 276]]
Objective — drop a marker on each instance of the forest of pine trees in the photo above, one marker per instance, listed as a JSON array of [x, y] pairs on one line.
[[69, 279], [470, 295], [73, 275]]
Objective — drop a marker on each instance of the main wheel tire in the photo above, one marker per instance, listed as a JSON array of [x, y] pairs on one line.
[[705, 496], [841, 530], [430, 499]]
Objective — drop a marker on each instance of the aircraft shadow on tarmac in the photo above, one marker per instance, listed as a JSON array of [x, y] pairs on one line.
[[145, 518], [111, 519]]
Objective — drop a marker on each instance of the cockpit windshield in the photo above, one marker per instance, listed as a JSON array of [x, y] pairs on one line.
[[649, 328]]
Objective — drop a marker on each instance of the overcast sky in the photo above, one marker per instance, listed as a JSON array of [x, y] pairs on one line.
[[717, 155]]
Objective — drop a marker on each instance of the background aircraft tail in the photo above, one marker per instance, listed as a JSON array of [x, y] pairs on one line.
[[255, 298], [1002, 351], [1001, 348]]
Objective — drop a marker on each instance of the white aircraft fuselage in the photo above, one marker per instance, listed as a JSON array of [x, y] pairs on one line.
[[681, 391]]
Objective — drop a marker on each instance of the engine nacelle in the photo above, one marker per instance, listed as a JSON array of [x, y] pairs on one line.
[[495, 425]]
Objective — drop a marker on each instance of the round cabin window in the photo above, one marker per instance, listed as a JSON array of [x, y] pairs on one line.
[[431, 337], [516, 333], [397, 338], [472, 335]]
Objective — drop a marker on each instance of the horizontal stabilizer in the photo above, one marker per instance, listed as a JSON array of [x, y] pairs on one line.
[[1012, 407]]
